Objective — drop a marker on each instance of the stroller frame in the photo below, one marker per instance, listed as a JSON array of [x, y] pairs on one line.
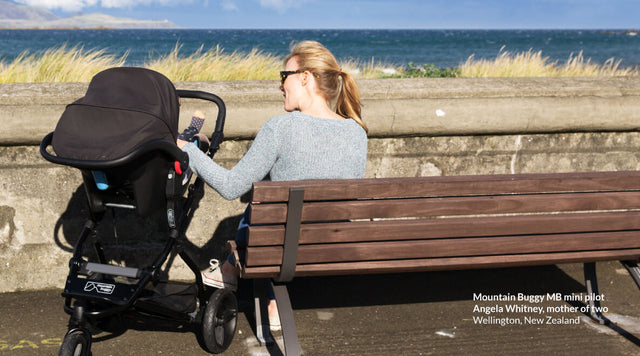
[[97, 296]]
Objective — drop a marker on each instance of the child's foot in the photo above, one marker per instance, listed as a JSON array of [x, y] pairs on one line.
[[197, 121]]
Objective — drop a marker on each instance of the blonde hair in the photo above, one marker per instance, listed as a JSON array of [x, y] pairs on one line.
[[312, 56]]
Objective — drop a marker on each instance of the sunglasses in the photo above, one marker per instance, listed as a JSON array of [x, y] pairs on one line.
[[285, 73]]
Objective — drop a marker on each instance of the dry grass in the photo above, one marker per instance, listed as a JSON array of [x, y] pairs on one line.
[[214, 64], [58, 65], [78, 65], [534, 64]]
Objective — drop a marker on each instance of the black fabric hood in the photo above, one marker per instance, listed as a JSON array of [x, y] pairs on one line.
[[122, 109]]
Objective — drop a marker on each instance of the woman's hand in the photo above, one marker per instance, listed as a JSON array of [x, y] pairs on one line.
[[201, 137]]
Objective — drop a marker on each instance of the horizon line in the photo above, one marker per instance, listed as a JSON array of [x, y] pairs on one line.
[[335, 29]]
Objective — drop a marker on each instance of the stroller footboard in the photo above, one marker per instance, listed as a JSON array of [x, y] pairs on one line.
[[91, 267]]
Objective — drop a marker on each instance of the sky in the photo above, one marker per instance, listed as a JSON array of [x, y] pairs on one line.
[[365, 14]]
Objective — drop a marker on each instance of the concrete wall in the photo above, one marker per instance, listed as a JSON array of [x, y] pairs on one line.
[[418, 127]]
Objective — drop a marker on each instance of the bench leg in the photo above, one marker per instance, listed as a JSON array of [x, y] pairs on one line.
[[633, 269], [260, 302], [591, 282], [285, 311]]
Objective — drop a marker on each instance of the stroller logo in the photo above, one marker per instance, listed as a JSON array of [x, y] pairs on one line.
[[102, 288]]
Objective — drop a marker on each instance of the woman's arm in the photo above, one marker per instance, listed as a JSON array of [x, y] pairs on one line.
[[254, 165]]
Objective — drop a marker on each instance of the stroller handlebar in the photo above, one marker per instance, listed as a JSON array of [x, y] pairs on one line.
[[196, 94], [167, 147], [217, 136]]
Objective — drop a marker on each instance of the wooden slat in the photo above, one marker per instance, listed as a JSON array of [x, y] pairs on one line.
[[449, 185], [394, 250], [555, 233], [448, 263], [425, 207], [360, 231]]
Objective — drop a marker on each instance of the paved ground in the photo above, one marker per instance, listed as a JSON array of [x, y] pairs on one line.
[[413, 314]]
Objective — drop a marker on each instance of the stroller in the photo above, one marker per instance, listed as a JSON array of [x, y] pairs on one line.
[[121, 135]]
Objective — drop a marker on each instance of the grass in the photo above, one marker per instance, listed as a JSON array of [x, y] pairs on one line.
[[215, 64], [58, 65], [534, 64], [75, 64]]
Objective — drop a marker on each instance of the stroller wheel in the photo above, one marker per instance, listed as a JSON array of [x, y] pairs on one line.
[[219, 320], [76, 343]]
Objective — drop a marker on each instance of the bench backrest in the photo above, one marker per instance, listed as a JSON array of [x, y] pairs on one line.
[[332, 227]]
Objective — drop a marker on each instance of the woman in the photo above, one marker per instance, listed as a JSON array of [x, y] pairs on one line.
[[312, 141]]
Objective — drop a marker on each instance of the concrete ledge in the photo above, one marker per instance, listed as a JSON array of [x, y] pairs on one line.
[[392, 107]]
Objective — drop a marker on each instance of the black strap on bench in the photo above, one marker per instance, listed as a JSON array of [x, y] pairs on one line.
[[291, 235], [285, 311], [287, 272], [591, 282]]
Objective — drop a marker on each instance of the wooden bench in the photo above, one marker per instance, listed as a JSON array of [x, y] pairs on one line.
[[398, 225]]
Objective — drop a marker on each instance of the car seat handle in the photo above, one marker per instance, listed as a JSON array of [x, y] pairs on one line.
[[170, 149]]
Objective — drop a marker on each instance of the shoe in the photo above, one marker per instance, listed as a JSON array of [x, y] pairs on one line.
[[213, 277], [274, 322], [274, 319]]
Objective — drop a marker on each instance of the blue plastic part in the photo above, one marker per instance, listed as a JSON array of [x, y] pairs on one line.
[[101, 180]]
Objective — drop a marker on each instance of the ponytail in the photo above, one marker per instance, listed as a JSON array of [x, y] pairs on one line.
[[348, 105]]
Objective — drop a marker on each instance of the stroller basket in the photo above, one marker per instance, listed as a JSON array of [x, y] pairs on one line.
[[122, 137]]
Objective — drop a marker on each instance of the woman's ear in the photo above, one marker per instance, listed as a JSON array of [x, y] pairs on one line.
[[307, 76]]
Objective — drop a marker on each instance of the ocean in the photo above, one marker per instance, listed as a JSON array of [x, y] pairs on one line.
[[444, 48]]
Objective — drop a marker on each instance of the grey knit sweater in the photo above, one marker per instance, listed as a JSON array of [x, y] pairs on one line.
[[293, 146]]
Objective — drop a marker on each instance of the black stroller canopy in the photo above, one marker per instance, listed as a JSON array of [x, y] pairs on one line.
[[122, 109]]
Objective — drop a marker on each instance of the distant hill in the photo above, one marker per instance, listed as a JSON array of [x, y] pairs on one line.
[[12, 11], [14, 15]]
